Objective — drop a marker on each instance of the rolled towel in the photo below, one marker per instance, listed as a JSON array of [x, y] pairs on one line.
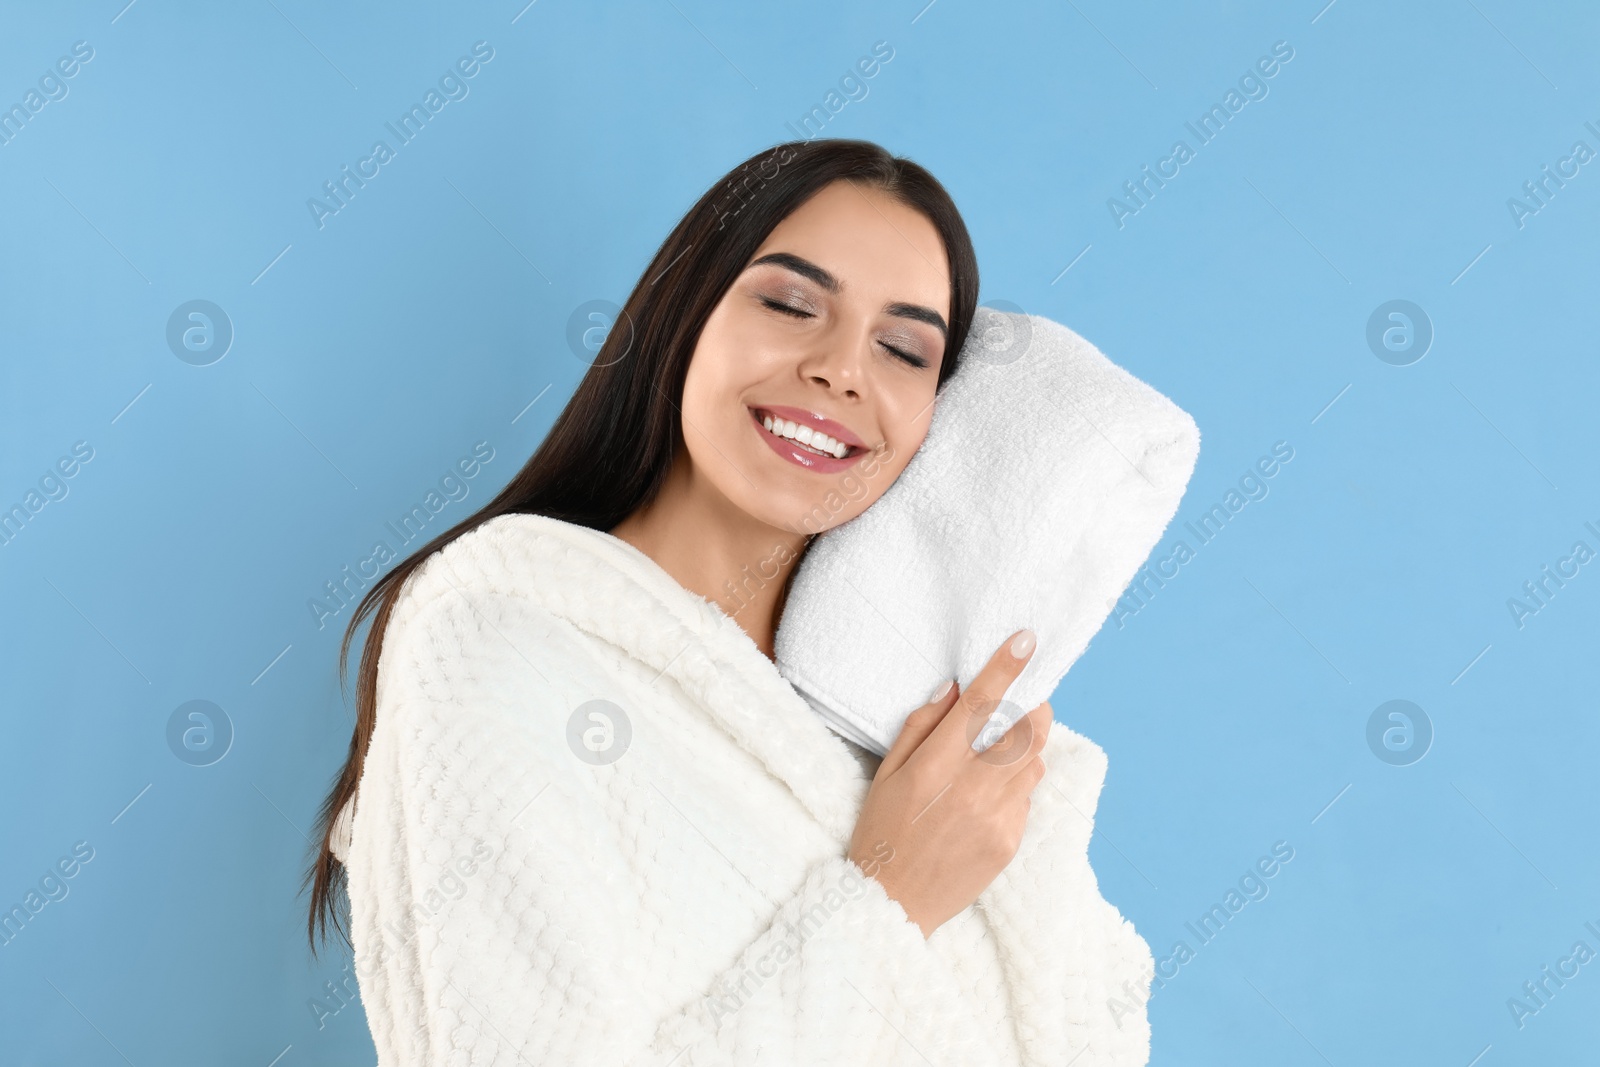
[[1047, 476]]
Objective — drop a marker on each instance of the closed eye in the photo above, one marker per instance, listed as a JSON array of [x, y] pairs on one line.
[[915, 361], [777, 306]]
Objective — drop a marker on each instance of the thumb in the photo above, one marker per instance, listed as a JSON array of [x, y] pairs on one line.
[[918, 725]]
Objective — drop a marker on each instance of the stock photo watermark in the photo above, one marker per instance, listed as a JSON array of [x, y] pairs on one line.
[[1154, 575], [346, 589], [739, 194], [1399, 732], [52, 486], [853, 87], [199, 733], [1399, 332], [199, 332], [1140, 191], [847, 488], [1538, 993], [52, 88], [767, 569], [851, 486], [1007, 338], [53, 886], [1002, 727], [725, 1001], [591, 323], [336, 996], [1538, 192], [452, 84], [599, 732], [450, 886], [1251, 887], [1538, 592]]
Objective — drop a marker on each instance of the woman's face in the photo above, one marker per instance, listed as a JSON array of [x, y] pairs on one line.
[[857, 359]]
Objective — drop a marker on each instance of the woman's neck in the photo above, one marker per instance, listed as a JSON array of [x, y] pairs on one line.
[[718, 552]]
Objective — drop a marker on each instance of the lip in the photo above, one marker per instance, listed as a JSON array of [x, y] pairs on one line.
[[799, 456]]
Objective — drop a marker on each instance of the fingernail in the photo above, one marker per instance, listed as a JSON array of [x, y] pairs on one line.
[[943, 691], [1023, 644]]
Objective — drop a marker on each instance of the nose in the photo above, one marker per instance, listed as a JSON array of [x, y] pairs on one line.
[[837, 364]]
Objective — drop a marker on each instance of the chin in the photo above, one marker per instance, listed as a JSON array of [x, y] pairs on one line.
[[786, 511]]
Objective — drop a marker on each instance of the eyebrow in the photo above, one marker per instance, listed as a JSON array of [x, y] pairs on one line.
[[807, 269]]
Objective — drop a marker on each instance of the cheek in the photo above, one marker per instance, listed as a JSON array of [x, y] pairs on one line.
[[728, 361], [710, 395], [880, 475], [699, 386], [905, 428]]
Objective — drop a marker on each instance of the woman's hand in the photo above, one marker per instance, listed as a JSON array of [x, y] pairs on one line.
[[952, 817]]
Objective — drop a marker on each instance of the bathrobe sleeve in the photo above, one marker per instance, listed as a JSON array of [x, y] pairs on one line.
[[495, 903], [1082, 973], [835, 979]]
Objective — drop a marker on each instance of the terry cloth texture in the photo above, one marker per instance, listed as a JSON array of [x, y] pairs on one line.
[[539, 878], [1047, 475]]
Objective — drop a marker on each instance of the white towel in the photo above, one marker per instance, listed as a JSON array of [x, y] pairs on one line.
[[1047, 476]]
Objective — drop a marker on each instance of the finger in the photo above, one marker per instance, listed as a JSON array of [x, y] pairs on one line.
[[956, 733], [1017, 747], [1022, 784], [1041, 718], [918, 725]]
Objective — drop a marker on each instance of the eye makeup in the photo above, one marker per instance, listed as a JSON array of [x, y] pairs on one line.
[[792, 302]]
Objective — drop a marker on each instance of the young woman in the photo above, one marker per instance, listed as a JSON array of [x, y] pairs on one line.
[[584, 820]]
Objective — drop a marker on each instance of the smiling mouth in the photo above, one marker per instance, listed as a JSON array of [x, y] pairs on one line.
[[804, 437]]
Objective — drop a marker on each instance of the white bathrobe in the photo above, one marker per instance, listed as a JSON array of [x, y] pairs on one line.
[[522, 894]]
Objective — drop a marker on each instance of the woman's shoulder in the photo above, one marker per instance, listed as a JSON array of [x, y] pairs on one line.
[[526, 591], [484, 597], [588, 577], [485, 559], [518, 556]]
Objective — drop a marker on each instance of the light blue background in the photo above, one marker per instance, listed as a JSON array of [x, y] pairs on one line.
[[433, 309]]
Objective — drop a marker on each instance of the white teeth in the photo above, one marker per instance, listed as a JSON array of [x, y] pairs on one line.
[[805, 435]]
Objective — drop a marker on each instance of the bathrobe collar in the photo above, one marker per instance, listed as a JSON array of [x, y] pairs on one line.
[[608, 588]]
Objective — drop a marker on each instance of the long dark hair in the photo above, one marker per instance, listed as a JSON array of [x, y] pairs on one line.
[[610, 448]]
